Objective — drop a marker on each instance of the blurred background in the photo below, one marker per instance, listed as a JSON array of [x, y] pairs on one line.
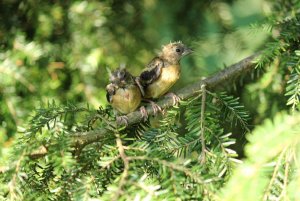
[[59, 50]]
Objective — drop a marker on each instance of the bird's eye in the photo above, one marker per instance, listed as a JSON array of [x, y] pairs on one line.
[[178, 50]]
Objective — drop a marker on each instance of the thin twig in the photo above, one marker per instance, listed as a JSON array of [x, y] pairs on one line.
[[237, 116], [172, 166], [288, 158], [180, 168], [12, 184], [276, 169], [286, 175], [202, 126], [126, 167]]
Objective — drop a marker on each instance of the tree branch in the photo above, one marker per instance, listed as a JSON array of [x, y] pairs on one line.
[[80, 139], [228, 74]]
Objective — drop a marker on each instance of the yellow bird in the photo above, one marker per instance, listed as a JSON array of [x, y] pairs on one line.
[[123, 93], [162, 72]]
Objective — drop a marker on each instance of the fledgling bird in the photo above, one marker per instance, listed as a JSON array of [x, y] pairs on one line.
[[123, 93], [163, 71]]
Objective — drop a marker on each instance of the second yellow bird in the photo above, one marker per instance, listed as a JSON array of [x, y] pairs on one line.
[[163, 71]]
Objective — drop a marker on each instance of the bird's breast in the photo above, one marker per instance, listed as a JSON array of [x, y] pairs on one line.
[[165, 81], [126, 100]]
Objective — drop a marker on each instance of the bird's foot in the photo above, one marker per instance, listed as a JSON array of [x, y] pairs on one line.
[[122, 120], [144, 113], [156, 108], [174, 97]]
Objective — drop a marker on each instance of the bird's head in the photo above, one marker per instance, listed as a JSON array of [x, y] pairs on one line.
[[120, 77], [173, 52]]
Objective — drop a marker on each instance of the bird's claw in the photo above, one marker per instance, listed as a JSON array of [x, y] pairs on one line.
[[156, 108], [175, 98], [144, 113], [122, 120]]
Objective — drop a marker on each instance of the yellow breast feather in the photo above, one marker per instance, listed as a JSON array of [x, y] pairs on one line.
[[166, 80], [126, 100]]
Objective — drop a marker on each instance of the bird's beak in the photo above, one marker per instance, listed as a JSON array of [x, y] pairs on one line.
[[187, 51]]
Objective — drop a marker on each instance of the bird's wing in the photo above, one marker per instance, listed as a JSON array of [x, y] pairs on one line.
[[152, 72], [110, 91]]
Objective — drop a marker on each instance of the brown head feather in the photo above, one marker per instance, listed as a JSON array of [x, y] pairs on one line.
[[174, 51]]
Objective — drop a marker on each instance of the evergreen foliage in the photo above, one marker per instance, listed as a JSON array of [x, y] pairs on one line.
[[293, 84], [72, 151]]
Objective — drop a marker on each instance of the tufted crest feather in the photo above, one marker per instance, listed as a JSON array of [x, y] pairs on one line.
[[172, 43]]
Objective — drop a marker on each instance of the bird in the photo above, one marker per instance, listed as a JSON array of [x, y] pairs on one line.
[[123, 93], [162, 72]]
